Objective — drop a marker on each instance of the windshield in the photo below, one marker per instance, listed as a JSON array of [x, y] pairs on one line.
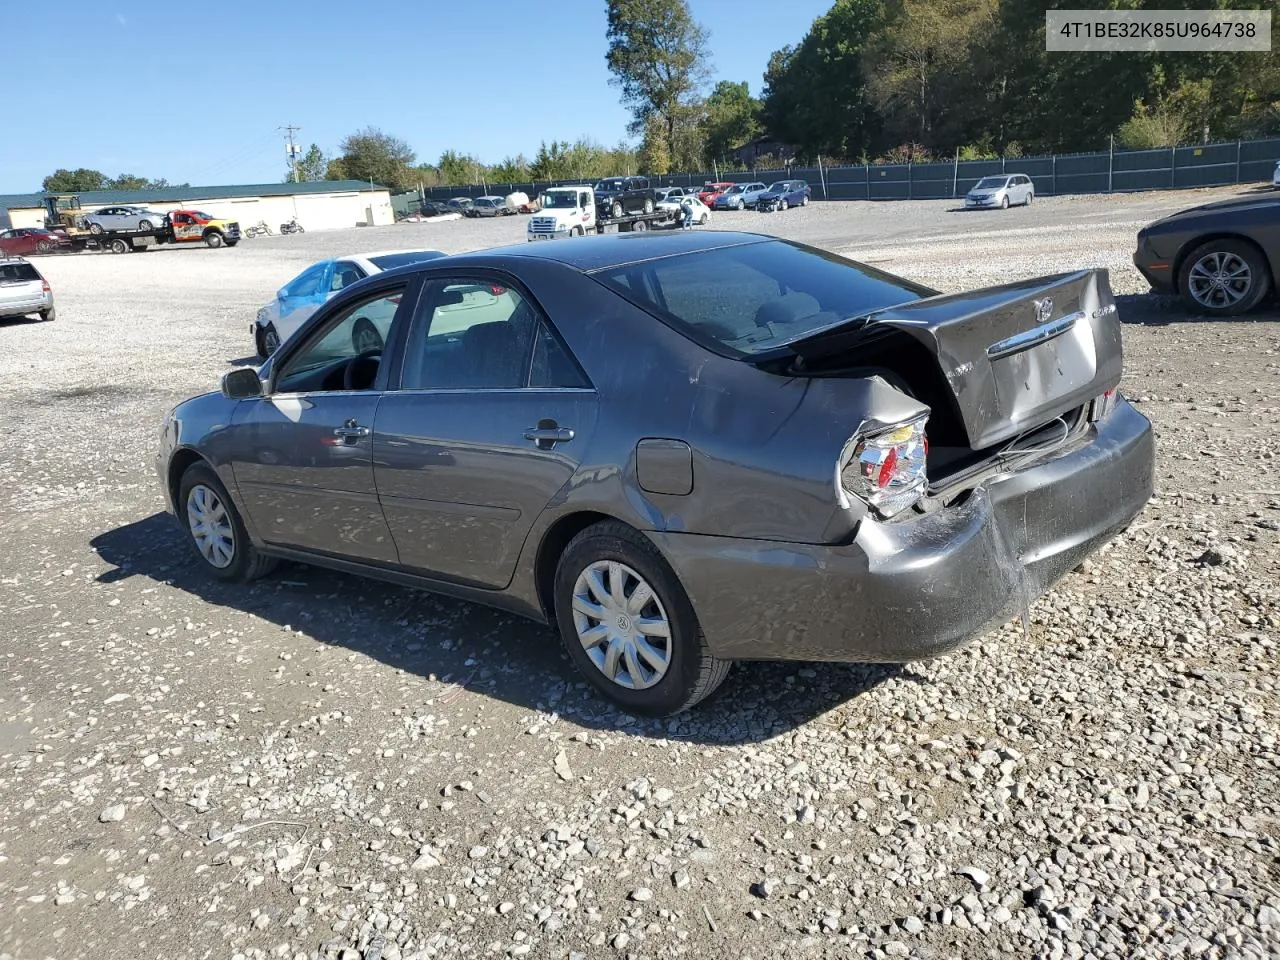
[[767, 293], [779, 187], [392, 260], [205, 216], [736, 188], [991, 183], [559, 201]]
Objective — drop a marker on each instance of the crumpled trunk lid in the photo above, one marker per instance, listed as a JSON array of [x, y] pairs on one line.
[[1014, 356]]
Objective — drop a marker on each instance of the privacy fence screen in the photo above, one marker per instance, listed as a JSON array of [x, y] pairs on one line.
[[1171, 168]]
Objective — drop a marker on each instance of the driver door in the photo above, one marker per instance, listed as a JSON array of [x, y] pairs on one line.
[[303, 454]]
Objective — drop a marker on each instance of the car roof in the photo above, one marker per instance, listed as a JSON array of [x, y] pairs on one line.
[[610, 249]]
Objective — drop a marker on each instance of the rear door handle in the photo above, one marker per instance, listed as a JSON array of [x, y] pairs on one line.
[[547, 437]]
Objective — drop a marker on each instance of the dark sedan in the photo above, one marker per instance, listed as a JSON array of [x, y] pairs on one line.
[[784, 194], [682, 449], [1221, 258]]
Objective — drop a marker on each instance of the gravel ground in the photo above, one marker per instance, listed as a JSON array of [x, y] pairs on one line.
[[322, 766]]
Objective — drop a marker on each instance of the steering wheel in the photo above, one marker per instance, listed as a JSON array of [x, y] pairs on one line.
[[367, 361]]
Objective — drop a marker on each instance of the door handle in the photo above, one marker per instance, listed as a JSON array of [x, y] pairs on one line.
[[547, 437], [351, 431]]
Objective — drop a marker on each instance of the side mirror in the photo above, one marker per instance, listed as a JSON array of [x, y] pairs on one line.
[[242, 383]]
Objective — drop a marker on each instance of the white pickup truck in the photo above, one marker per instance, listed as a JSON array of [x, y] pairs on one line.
[[571, 212]]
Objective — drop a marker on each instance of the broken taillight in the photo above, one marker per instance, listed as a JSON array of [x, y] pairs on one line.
[[886, 469], [1103, 404]]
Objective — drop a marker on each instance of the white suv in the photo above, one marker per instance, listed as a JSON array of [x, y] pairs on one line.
[[23, 291]]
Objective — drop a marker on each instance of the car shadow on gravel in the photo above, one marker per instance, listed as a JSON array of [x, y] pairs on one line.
[[490, 653], [1157, 310]]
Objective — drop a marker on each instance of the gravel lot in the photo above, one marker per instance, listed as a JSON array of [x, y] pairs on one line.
[[321, 766]]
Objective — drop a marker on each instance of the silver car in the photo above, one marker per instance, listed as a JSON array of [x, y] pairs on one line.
[[1003, 191], [123, 218], [740, 196], [23, 292]]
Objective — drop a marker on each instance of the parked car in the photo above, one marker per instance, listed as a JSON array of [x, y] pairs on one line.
[[675, 201], [123, 218], [1221, 258], [24, 241], [1003, 191], [1275, 177], [801, 457], [488, 207], [741, 196], [618, 196], [710, 190], [23, 291], [308, 291], [459, 204], [784, 194]]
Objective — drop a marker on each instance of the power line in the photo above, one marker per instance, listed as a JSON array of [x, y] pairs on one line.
[[291, 149]]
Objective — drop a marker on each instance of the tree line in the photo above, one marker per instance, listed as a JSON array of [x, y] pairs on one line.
[[870, 81]]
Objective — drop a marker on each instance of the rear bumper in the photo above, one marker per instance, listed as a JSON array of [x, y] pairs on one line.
[[26, 306], [917, 589]]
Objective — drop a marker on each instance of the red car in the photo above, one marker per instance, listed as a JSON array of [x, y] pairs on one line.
[[710, 191], [24, 241]]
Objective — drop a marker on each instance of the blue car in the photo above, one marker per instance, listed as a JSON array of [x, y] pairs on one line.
[[784, 194]]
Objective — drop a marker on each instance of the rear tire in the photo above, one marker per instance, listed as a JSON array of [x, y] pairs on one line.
[[648, 205], [48, 316], [96, 229], [44, 246], [688, 674], [209, 517], [1030, 197], [119, 246]]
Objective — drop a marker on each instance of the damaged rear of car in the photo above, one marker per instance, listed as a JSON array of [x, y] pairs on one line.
[[975, 445]]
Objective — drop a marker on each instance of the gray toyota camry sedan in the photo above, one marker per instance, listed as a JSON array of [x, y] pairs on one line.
[[682, 449]]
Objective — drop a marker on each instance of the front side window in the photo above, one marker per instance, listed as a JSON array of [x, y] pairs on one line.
[[343, 353], [474, 334]]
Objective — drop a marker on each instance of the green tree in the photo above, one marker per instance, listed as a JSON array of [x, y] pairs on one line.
[[460, 169], [372, 155], [74, 181], [510, 170], [815, 95], [312, 165], [658, 57], [732, 118]]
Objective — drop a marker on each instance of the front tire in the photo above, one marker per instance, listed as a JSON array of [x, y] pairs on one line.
[[629, 626], [616, 209], [270, 339], [703, 220], [119, 246], [365, 336], [213, 239], [1004, 202], [215, 531], [783, 205], [144, 224], [1224, 278], [44, 246]]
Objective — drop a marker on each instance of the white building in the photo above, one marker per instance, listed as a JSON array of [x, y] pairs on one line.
[[318, 205]]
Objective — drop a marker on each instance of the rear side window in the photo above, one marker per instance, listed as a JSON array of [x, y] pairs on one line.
[[762, 295], [18, 273]]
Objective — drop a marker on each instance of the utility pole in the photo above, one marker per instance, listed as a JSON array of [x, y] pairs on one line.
[[291, 148]]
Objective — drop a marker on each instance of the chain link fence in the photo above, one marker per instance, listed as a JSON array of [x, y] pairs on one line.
[[1110, 171]]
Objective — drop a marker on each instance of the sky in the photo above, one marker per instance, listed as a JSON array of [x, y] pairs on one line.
[[195, 91]]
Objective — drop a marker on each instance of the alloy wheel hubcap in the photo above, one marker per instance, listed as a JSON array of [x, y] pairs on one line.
[[622, 625], [1220, 280], [210, 526]]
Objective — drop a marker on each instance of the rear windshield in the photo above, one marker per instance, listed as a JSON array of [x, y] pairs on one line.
[[752, 299], [392, 260], [17, 273]]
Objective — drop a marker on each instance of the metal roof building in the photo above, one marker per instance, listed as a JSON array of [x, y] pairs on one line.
[[318, 205]]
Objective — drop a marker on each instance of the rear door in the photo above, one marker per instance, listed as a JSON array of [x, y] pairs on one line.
[[487, 424]]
